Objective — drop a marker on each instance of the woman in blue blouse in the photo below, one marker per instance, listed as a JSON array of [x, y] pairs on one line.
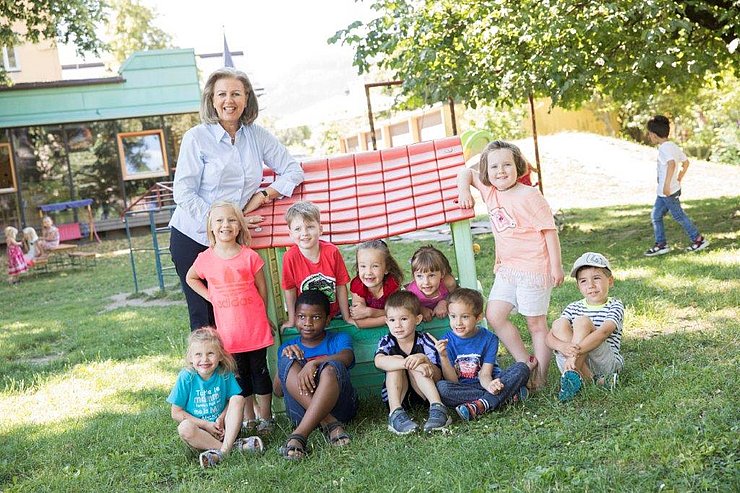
[[222, 159]]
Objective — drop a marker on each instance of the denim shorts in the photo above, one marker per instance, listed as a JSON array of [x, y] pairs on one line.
[[346, 407]]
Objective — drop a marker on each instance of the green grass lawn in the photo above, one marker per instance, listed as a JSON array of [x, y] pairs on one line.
[[83, 389]]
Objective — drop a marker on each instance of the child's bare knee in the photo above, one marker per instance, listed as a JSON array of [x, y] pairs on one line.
[[561, 326], [583, 323], [537, 327], [186, 429], [329, 371], [394, 375]]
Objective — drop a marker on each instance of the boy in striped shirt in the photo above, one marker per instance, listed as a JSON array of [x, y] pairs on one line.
[[587, 336]]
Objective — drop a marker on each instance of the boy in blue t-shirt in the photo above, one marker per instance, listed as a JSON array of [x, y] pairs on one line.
[[473, 381], [313, 377]]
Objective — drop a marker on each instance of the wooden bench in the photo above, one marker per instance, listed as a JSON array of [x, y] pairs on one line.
[[365, 196], [83, 258], [62, 248]]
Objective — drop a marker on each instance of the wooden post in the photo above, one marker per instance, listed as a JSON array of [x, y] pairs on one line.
[[370, 117], [452, 114], [370, 108], [536, 145]]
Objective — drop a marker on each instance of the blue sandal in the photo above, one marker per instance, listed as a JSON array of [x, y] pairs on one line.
[[294, 452], [341, 439], [210, 458], [570, 384]]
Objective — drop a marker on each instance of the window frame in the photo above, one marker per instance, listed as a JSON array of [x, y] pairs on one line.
[[6, 59], [14, 180]]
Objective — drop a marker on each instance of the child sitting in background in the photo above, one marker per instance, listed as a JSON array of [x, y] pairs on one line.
[[313, 377], [31, 245], [16, 262], [49, 234], [473, 382], [312, 263], [432, 282], [587, 336], [206, 402], [378, 276], [411, 366]]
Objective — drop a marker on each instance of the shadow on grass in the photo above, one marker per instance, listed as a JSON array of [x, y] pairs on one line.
[[670, 421], [30, 356]]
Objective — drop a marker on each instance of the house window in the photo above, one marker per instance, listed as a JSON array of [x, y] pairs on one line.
[[10, 59]]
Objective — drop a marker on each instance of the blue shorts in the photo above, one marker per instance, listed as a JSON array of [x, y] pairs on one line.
[[346, 407]]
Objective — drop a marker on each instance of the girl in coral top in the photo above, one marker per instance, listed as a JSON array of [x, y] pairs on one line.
[[237, 290], [528, 263]]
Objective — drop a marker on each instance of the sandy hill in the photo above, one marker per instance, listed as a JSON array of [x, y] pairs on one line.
[[588, 170]]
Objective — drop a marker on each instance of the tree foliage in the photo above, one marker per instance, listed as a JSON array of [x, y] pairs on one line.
[[132, 29], [66, 21], [503, 50]]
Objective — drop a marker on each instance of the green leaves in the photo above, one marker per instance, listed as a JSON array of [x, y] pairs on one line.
[[133, 29], [503, 50], [61, 20]]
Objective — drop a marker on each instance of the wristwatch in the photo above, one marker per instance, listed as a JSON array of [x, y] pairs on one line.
[[267, 196]]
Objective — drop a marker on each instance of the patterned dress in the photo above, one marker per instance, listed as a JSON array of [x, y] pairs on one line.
[[16, 262]]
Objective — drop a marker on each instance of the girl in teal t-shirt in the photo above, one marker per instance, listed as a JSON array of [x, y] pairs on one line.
[[206, 402]]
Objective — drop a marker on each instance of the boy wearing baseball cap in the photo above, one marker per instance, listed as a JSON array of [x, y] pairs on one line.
[[587, 336]]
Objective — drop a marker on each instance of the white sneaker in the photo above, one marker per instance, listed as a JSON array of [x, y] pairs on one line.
[[657, 250], [699, 244]]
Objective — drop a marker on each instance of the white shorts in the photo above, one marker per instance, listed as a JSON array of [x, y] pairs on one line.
[[529, 301], [601, 361]]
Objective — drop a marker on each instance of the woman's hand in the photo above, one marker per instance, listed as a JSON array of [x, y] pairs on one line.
[[259, 199]]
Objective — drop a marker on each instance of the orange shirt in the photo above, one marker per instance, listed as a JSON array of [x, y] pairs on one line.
[[241, 317]]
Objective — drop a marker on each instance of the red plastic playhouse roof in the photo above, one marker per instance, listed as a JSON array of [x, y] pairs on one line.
[[372, 195]]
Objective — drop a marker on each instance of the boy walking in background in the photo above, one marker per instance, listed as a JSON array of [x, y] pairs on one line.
[[588, 335], [670, 157]]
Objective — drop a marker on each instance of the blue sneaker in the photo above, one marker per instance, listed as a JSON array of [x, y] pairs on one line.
[[521, 395], [570, 383], [439, 417], [400, 423]]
